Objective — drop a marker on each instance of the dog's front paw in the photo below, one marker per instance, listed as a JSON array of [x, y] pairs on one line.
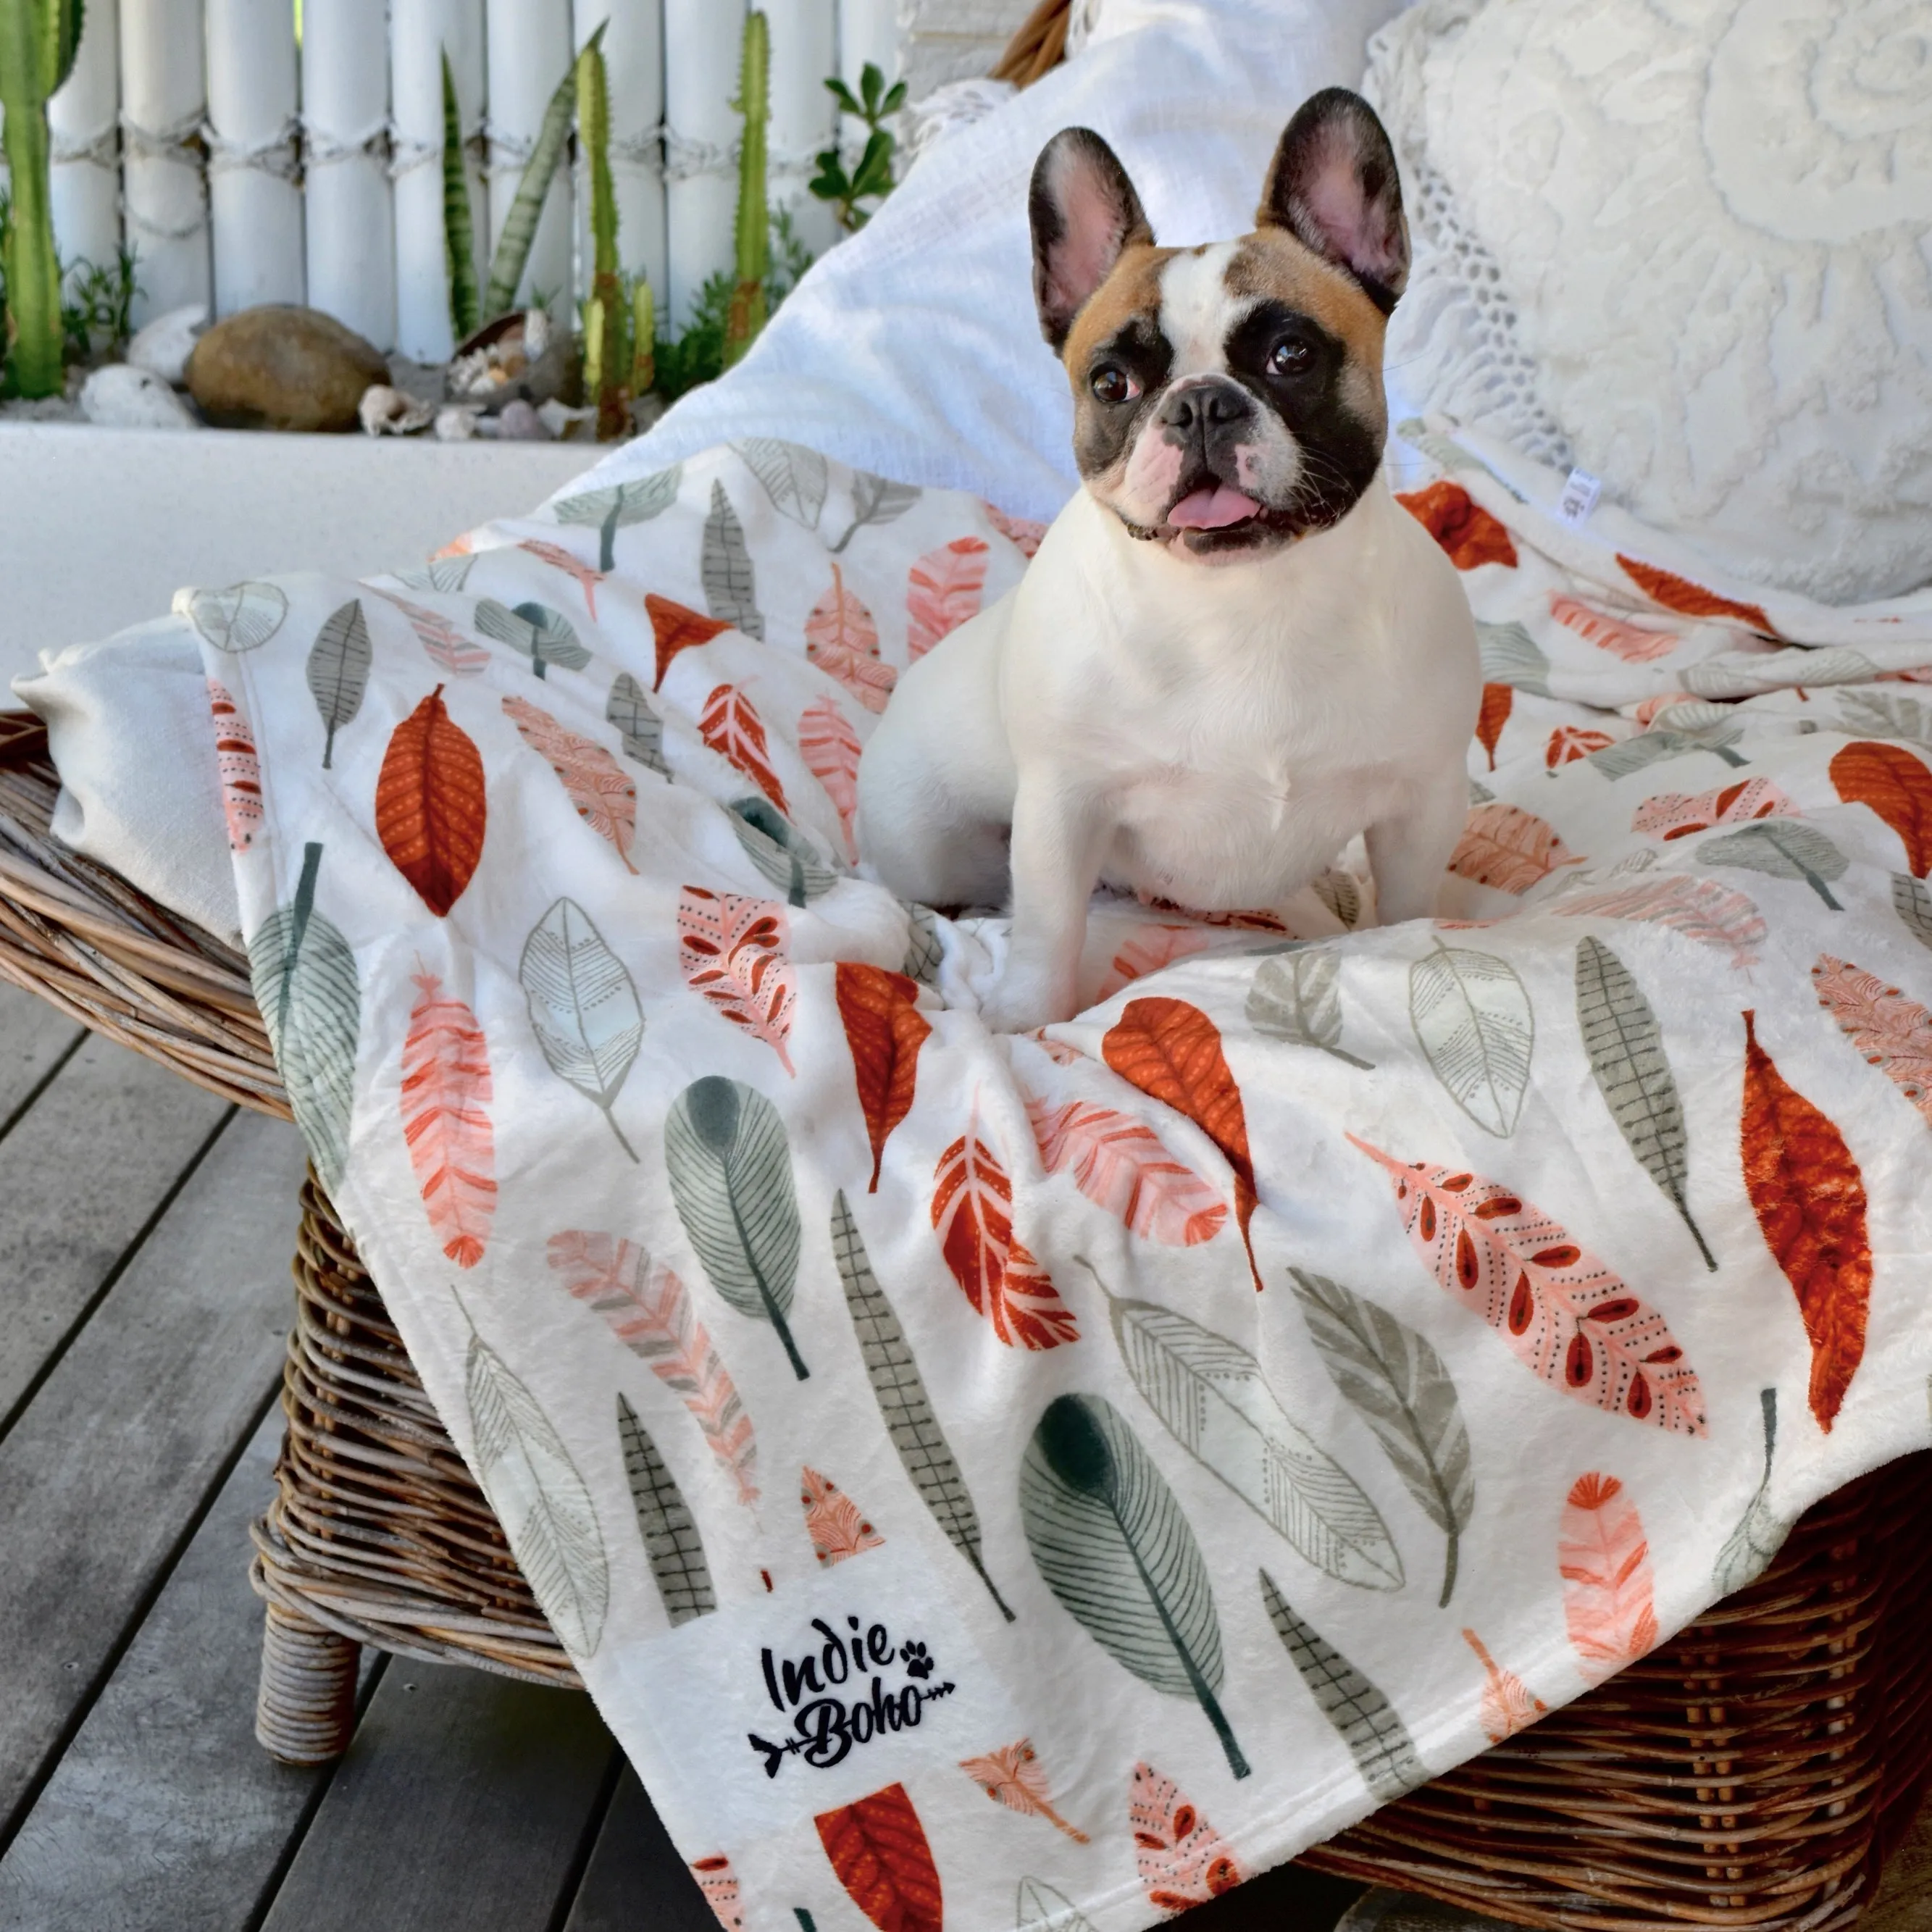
[[1023, 1000]]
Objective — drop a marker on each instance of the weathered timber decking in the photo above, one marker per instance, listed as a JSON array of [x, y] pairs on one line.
[[145, 1300]]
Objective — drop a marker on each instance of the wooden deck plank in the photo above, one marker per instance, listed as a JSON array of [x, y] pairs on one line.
[[164, 1813], [80, 1176], [113, 1462], [34, 1039], [635, 1877], [466, 1802]]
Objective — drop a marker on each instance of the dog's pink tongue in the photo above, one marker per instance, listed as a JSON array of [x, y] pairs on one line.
[[1211, 509]]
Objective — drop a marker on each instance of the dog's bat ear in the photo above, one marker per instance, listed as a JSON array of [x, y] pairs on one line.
[[1333, 185], [1085, 215]]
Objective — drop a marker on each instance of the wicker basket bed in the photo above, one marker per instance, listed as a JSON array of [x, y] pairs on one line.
[[1751, 1773]]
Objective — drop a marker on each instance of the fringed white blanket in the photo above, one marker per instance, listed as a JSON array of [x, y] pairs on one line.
[[1043, 1480]]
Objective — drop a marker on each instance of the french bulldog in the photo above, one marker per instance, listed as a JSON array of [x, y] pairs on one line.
[[1234, 650]]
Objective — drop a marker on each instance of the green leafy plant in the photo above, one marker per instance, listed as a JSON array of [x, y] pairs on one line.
[[745, 316], [696, 354], [870, 179], [97, 313], [38, 41]]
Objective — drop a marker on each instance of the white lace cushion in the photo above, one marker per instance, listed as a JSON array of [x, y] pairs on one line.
[[1688, 245]]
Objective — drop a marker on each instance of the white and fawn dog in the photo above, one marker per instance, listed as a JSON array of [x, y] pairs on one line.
[[1235, 650]]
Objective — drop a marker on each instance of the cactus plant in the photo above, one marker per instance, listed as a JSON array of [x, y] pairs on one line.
[[38, 41], [606, 312], [746, 316]]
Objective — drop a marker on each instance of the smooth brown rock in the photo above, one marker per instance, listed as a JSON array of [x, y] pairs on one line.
[[281, 367]]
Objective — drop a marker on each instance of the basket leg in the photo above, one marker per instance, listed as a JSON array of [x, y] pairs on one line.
[[305, 1710]]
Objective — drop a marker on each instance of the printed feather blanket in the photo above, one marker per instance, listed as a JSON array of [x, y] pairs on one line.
[[995, 1482]]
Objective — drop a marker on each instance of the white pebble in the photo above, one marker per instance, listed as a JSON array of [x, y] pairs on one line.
[[121, 397]]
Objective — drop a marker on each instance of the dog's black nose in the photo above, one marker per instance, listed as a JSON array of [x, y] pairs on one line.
[[1201, 408]]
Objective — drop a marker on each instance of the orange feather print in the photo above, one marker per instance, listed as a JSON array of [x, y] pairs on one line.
[[431, 804], [1895, 785], [650, 1311], [237, 768], [1119, 1163], [675, 628], [878, 1848], [885, 1029], [1508, 1705], [830, 748], [1499, 701], [1693, 600], [1631, 642], [730, 725], [733, 951], [1563, 1313], [1604, 1558], [1809, 1200], [1569, 742], [445, 1106], [943, 589], [1894, 1034], [972, 1215], [841, 639], [1147, 953], [1469, 536], [605, 798], [1503, 846], [1011, 1776], [832, 1521], [1182, 1860], [1172, 1052]]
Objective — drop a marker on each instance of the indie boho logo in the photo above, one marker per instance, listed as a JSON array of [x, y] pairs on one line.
[[826, 1726]]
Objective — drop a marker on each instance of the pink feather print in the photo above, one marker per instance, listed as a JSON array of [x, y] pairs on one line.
[[1605, 1562], [719, 1884], [1563, 1313], [1119, 1163], [1147, 953], [830, 748], [445, 1103], [604, 794], [1021, 532], [558, 558], [730, 725], [1894, 1033], [841, 639], [943, 589], [648, 1308], [1700, 909], [832, 1521], [733, 951], [1503, 846], [1011, 1776], [1631, 642], [1677, 815], [1508, 1704], [448, 647], [236, 766], [1182, 1860]]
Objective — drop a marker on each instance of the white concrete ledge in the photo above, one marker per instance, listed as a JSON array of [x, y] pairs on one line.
[[99, 527]]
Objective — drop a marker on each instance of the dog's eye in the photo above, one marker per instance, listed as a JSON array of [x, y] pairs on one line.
[[1289, 357], [1112, 385]]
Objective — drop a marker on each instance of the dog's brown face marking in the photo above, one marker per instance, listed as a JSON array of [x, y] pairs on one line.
[[1227, 398]]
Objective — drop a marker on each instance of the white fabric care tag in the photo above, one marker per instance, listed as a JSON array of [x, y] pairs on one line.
[[1579, 498]]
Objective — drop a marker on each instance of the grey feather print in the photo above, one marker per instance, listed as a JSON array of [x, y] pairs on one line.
[[1210, 1394], [439, 573], [1625, 1046], [672, 1547], [1110, 1540], [1884, 714], [924, 951], [1297, 998], [540, 1499], [1401, 1387], [338, 671], [1781, 848], [1038, 1907], [1511, 655], [875, 501], [730, 1179], [782, 853], [1474, 1023], [619, 506], [1342, 894], [1363, 1718], [724, 567], [1650, 748], [545, 636], [638, 724], [242, 618], [794, 476], [583, 1006], [904, 1407], [1913, 904], [1760, 1534], [303, 972]]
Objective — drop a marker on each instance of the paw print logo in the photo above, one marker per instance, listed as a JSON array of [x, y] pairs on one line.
[[917, 1663]]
